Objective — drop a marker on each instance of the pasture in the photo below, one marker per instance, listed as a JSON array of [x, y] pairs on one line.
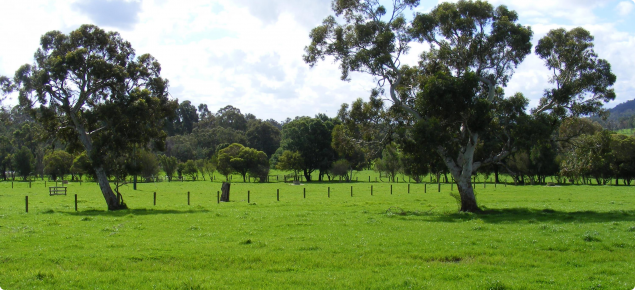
[[528, 237]]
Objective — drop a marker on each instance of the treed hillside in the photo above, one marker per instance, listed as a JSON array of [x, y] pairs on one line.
[[621, 117]]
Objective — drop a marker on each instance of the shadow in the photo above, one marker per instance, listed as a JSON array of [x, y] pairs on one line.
[[527, 215], [140, 212]]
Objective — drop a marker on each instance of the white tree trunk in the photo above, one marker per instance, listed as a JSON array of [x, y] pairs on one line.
[[111, 199], [462, 170]]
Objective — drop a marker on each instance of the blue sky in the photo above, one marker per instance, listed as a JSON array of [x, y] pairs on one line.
[[248, 53]]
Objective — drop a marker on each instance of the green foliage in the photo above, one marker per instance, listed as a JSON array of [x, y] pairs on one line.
[[311, 137], [341, 168], [582, 80], [58, 163], [149, 164], [263, 136], [6, 87], [23, 162], [623, 149], [90, 85], [81, 165], [240, 159], [190, 169], [169, 165], [390, 162], [289, 160]]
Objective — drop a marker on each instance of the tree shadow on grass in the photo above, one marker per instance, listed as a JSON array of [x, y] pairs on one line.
[[139, 211], [527, 215]]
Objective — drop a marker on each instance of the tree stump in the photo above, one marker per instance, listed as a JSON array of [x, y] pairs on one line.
[[225, 192]]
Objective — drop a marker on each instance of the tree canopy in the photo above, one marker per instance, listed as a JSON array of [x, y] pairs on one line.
[[89, 85]]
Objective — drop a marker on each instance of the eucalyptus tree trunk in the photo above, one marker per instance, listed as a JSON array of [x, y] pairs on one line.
[[112, 200], [462, 171]]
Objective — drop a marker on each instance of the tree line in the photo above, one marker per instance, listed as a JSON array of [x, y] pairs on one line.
[[447, 115]]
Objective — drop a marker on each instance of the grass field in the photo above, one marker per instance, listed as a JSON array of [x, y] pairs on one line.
[[528, 237]]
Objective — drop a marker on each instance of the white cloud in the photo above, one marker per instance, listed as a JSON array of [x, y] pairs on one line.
[[625, 7]]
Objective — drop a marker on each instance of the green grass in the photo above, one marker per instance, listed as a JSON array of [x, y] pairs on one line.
[[629, 132], [528, 237]]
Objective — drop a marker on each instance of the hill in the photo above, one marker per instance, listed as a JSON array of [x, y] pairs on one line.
[[621, 116]]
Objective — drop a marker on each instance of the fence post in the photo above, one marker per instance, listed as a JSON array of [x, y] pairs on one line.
[[329, 191], [278, 194], [248, 197], [188, 198], [26, 202], [371, 190], [408, 187], [218, 197], [351, 191], [391, 189], [155, 198], [439, 187], [425, 188], [75, 202]]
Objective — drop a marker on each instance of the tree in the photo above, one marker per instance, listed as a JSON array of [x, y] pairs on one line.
[[81, 165], [23, 162], [5, 155], [340, 168], [58, 163], [243, 160], [148, 163], [263, 136], [90, 83], [289, 160], [169, 165], [190, 169], [390, 162], [453, 98], [582, 81], [231, 117], [206, 167], [183, 122], [6, 87], [623, 149], [311, 137]]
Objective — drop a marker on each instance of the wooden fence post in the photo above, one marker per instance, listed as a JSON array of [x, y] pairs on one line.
[[155, 198], [391, 189], [278, 194], [371, 190], [408, 187], [26, 202], [248, 197], [351, 191], [75, 202], [188, 198]]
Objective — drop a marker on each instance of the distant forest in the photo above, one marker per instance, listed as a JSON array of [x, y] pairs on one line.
[[620, 117]]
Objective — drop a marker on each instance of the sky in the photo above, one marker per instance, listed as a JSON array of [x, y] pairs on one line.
[[248, 53]]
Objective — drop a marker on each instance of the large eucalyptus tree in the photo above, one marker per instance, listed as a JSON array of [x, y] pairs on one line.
[[91, 88], [454, 96]]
